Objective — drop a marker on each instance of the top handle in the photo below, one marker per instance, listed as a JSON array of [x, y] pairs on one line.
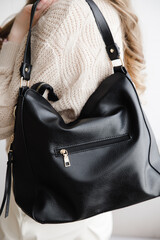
[[111, 46]]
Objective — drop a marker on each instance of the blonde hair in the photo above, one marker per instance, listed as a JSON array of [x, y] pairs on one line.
[[132, 42]]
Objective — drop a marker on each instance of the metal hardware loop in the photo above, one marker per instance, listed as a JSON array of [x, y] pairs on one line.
[[27, 84], [122, 63]]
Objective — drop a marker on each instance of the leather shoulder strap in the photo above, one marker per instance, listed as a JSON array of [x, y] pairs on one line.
[[26, 67], [111, 46]]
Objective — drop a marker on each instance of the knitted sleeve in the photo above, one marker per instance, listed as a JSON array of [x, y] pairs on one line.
[[68, 52], [7, 60]]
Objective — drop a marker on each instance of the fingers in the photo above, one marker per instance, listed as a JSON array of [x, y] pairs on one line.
[[27, 8], [43, 4], [42, 7]]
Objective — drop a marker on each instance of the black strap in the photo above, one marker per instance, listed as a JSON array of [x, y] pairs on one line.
[[26, 67], [7, 191], [40, 87], [111, 46]]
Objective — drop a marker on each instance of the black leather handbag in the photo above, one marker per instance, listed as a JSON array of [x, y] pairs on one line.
[[104, 160]]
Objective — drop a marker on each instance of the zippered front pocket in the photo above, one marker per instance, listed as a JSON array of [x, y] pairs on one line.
[[65, 151]]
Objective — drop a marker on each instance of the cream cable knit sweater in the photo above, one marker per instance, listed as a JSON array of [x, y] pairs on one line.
[[68, 52]]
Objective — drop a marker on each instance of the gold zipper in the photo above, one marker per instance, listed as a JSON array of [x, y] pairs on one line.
[[14, 110], [64, 152], [39, 86], [90, 145]]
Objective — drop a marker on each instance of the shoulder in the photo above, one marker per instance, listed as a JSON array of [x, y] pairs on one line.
[[75, 13], [71, 17], [63, 15]]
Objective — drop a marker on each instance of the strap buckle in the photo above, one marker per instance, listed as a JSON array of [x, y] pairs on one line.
[[27, 84], [115, 63]]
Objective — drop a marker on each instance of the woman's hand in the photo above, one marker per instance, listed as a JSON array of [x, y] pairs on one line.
[[21, 23]]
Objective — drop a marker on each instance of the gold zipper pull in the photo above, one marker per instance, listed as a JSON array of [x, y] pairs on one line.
[[37, 89], [64, 152], [12, 138], [10, 142], [14, 110]]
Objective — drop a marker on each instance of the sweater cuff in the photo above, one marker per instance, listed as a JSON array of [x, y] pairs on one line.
[[8, 53]]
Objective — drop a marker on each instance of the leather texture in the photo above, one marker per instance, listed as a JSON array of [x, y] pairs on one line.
[[111, 47], [113, 155], [114, 158], [27, 54]]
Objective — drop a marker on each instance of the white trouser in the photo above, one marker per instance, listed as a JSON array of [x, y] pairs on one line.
[[19, 226]]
